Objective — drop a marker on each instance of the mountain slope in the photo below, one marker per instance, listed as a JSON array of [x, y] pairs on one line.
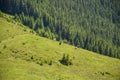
[[26, 56], [90, 24]]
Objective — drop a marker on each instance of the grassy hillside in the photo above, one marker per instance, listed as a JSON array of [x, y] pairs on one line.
[[26, 56]]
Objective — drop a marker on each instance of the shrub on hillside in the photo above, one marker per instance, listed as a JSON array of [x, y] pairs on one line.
[[41, 61], [24, 30], [23, 43], [4, 46], [50, 62], [66, 60]]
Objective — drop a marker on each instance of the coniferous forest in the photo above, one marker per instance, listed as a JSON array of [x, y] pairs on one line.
[[90, 24]]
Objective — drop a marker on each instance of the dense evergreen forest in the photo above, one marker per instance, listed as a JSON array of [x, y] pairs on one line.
[[90, 24]]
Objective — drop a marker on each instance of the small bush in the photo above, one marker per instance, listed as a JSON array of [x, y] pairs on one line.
[[14, 51], [50, 62], [12, 37], [107, 73], [23, 43], [7, 30], [66, 60], [40, 63], [4, 46], [31, 31], [104, 73], [24, 30], [32, 57]]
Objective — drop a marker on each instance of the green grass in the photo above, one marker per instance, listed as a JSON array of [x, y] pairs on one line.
[[26, 56]]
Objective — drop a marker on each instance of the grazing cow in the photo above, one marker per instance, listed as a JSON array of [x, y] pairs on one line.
[[76, 47], [54, 39]]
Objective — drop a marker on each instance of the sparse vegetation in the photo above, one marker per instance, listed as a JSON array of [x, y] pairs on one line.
[[4, 46], [104, 73], [23, 43], [50, 62], [107, 73], [24, 30]]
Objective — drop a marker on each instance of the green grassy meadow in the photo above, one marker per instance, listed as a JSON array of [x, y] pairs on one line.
[[26, 56]]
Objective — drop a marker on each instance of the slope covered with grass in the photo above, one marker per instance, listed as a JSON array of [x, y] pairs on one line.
[[26, 56]]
